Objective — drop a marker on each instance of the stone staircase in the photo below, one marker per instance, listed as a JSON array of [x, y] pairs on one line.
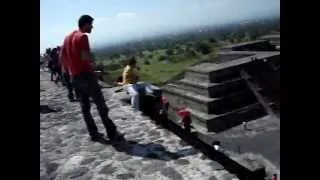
[[274, 39], [215, 93]]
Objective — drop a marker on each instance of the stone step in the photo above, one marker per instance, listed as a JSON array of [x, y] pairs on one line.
[[185, 98], [216, 123], [180, 98], [212, 89], [213, 76], [271, 37], [218, 72], [225, 56], [257, 45]]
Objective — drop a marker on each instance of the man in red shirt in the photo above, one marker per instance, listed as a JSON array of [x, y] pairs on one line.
[[77, 59]]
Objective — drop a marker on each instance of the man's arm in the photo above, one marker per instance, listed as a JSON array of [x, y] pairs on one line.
[[85, 48]]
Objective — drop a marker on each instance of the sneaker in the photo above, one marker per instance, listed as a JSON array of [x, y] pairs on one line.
[[98, 137], [72, 99], [117, 138]]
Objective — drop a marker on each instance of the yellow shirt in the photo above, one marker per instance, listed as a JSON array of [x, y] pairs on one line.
[[129, 75]]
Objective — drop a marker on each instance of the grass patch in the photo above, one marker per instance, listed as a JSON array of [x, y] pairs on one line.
[[158, 72]]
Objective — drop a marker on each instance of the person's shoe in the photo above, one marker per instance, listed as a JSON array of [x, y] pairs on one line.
[[98, 137], [71, 98], [117, 138]]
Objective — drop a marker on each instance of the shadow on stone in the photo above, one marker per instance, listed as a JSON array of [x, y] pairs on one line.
[[150, 151], [44, 109], [229, 164]]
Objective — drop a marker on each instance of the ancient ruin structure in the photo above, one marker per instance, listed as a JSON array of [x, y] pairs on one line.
[[242, 85]]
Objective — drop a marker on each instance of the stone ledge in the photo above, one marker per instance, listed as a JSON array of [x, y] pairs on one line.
[[206, 68]]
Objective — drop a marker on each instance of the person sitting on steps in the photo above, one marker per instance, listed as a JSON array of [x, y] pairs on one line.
[[130, 81]]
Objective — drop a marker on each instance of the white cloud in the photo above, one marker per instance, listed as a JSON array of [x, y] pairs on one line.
[[102, 20], [173, 15], [126, 15]]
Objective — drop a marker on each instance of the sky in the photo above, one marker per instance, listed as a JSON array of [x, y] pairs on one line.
[[120, 20]]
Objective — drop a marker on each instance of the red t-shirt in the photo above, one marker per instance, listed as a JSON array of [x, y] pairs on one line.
[[74, 44]]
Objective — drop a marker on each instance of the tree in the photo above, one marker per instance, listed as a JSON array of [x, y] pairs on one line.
[[203, 47], [212, 40], [254, 34], [238, 36], [93, 57], [169, 52], [115, 56], [146, 62], [161, 58], [191, 53]]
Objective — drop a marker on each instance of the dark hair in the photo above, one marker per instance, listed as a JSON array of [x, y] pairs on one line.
[[132, 61], [48, 50], [84, 19]]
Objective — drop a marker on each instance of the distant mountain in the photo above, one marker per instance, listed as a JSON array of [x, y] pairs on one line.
[[195, 34]]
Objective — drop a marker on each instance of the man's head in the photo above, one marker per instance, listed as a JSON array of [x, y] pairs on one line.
[[48, 50], [85, 23]]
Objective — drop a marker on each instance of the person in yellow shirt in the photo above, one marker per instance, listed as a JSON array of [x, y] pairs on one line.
[[130, 75], [129, 80]]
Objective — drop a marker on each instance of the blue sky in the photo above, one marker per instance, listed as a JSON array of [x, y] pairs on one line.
[[119, 20]]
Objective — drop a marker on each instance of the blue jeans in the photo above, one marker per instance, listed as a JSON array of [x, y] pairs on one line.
[[134, 91]]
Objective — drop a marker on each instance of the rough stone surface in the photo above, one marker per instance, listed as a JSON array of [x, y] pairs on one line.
[[153, 167], [66, 151], [215, 165], [171, 173], [212, 178], [125, 176], [133, 164], [88, 160], [182, 162], [77, 172], [106, 154], [109, 169]]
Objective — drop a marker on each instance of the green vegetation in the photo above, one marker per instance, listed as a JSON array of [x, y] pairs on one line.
[[165, 59], [157, 66]]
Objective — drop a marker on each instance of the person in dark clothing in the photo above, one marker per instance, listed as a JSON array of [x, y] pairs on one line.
[[49, 61], [76, 57], [55, 65], [68, 84], [66, 79]]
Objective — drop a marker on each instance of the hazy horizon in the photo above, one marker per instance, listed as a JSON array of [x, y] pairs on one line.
[[122, 20]]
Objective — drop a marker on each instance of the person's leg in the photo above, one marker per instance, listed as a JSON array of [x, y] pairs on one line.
[[51, 74], [134, 94], [75, 92], [58, 74], [54, 74], [97, 96], [85, 108], [79, 84], [69, 85]]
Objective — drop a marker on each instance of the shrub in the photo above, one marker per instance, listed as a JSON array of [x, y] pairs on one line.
[[161, 58], [203, 47], [146, 62]]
